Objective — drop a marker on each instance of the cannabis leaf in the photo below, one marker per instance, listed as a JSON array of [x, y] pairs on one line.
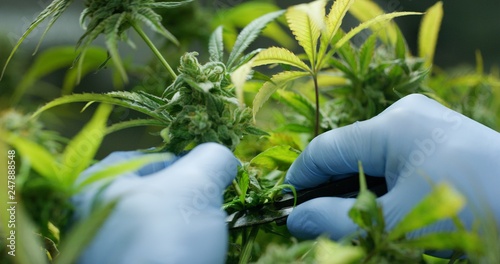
[[111, 18], [315, 33]]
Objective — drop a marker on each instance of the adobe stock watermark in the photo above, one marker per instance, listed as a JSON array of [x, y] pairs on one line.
[[426, 147], [203, 198]]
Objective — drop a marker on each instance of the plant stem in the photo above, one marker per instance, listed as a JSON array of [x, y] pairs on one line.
[[154, 49], [316, 92], [246, 253]]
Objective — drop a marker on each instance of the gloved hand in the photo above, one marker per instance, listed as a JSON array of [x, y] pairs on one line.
[[412, 141], [168, 212]]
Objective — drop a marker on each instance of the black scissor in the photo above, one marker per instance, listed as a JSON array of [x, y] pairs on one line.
[[279, 210]]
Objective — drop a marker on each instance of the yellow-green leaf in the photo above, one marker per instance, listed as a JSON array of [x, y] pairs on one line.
[[269, 87], [306, 22], [279, 55], [364, 10], [429, 30], [458, 240], [81, 149], [441, 203], [239, 78], [41, 160], [377, 20], [278, 157], [336, 15], [331, 252]]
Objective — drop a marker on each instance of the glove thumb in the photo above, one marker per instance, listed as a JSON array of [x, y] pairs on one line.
[[322, 216]]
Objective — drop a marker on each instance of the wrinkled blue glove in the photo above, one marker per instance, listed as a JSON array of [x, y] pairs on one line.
[[412, 141], [169, 212]]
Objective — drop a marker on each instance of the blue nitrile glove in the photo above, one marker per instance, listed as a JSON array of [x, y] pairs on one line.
[[412, 141], [168, 212]]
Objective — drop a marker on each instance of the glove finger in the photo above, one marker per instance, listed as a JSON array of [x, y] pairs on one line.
[[382, 144], [322, 216]]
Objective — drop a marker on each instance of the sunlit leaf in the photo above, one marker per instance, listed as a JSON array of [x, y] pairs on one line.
[[278, 157], [429, 30], [239, 78], [457, 240], [377, 20], [365, 10], [269, 87], [441, 203], [306, 23], [331, 252], [336, 15], [279, 55]]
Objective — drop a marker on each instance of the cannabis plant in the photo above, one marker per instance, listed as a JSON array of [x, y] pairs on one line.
[[111, 19]]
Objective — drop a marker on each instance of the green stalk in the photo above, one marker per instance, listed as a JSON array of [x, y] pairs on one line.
[[154, 49], [316, 92], [246, 253]]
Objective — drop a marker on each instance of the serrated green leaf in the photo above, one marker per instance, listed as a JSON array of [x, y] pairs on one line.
[[336, 15], [54, 9], [80, 151], [428, 34], [135, 123], [306, 22], [279, 55], [278, 157], [277, 81], [299, 103], [216, 45], [441, 203], [249, 34], [366, 53], [243, 14], [111, 38], [171, 4], [364, 10], [348, 54], [41, 160], [126, 99], [400, 47], [377, 20]]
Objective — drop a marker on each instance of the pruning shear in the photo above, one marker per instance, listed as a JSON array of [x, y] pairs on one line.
[[279, 210]]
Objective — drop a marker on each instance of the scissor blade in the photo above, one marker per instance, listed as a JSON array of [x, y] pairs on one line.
[[278, 211]]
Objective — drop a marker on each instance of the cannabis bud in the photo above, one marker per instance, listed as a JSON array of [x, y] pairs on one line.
[[203, 109]]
